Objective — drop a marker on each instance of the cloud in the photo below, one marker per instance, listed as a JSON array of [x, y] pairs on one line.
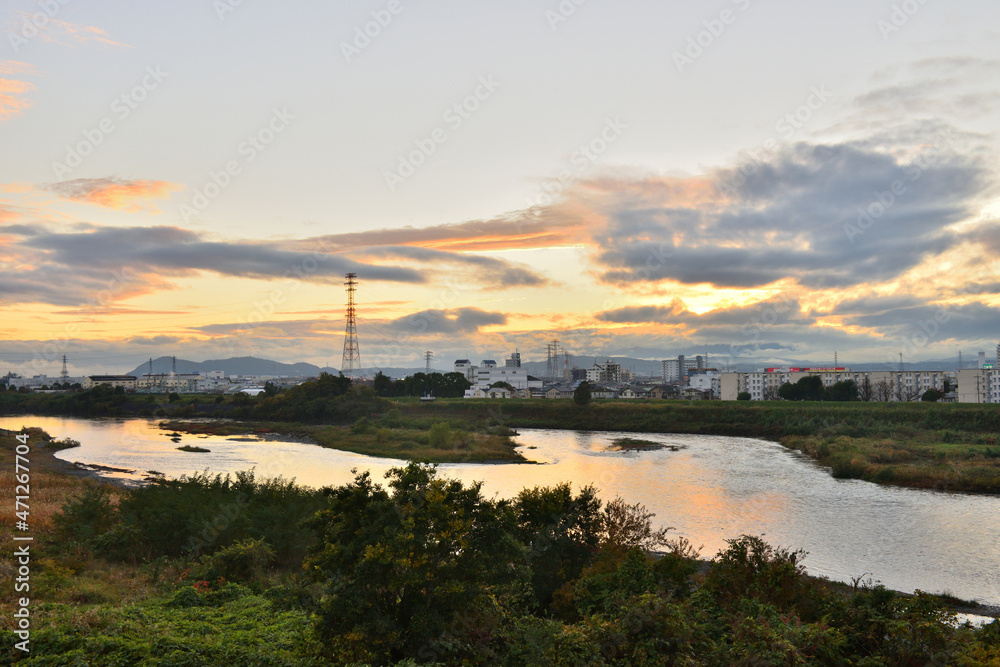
[[63, 33], [823, 216], [456, 321], [540, 228], [73, 267], [113, 192], [13, 100], [488, 271]]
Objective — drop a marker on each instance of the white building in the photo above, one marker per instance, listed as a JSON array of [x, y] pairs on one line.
[[979, 385], [890, 386], [488, 373], [465, 367], [674, 370], [708, 382], [607, 373]]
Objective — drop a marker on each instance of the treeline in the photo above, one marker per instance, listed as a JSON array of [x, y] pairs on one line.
[[446, 385], [428, 570]]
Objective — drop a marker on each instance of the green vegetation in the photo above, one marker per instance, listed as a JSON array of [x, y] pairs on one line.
[[639, 445], [389, 435], [921, 462], [946, 446], [426, 570]]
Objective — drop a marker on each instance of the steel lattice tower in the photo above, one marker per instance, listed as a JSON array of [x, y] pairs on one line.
[[351, 364]]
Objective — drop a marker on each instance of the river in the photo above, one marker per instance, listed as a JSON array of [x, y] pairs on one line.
[[710, 489]]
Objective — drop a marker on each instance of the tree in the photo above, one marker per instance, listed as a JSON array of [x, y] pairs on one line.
[[270, 389], [788, 392], [865, 391], [744, 396], [845, 390], [383, 385], [403, 567], [932, 396], [810, 388], [581, 395], [504, 385], [884, 390], [772, 393], [562, 533]]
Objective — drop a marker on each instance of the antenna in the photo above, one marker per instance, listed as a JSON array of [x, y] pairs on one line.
[[65, 373], [351, 365]]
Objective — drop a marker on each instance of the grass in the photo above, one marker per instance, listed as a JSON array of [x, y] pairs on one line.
[[433, 441], [952, 447], [638, 444], [916, 462]]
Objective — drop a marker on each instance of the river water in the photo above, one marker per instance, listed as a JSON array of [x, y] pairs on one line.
[[710, 489]]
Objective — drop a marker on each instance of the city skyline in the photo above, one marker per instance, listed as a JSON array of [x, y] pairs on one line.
[[763, 181]]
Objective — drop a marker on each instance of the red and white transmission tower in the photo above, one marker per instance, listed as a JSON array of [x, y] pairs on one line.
[[351, 365]]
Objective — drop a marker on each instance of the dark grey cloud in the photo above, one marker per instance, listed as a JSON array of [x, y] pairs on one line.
[[825, 216], [484, 270], [968, 322], [455, 321], [873, 305], [86, 263]]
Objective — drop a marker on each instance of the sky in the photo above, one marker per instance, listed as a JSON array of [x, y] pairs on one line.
[[761, 180]]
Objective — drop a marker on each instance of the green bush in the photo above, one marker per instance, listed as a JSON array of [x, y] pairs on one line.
[[245, 562]]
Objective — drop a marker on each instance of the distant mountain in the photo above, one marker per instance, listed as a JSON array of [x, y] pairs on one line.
[[234, 366]]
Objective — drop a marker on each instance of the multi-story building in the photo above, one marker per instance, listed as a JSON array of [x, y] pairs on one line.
[[466, 368], [607, 373], [979, 385], [675, 370], [878, 385], [124, 381]]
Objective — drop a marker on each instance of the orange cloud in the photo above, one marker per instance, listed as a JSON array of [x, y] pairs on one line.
[[115, 193], [12, 92], [69, 34]]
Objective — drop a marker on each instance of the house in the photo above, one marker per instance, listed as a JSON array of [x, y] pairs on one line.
[[633, 392], [664, 391]]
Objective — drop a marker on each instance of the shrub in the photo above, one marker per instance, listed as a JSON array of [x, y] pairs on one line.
[[244, 561]]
